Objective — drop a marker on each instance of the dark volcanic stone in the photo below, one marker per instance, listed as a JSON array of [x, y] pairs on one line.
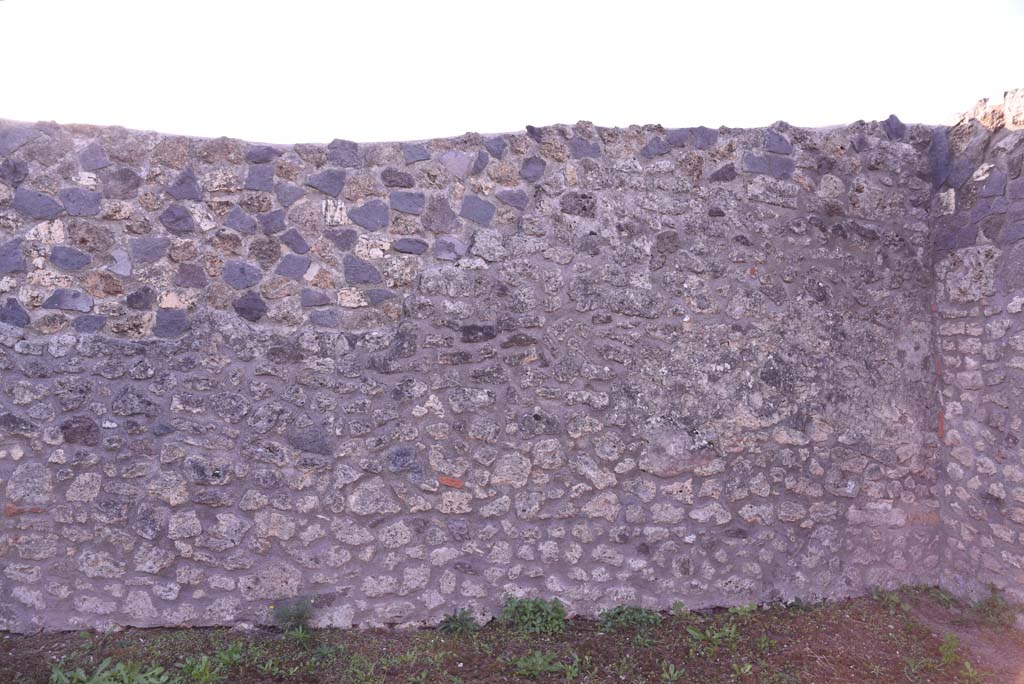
[[13, 172], [93, 158], [80, 430], [293, 266], [532, 169], [190, 275], [69, 258], [655, 147], [894, 128], [776, 142], [68, 300], [393, 178], [237, 219], [360, 272], [288, 194], [771, 165], [377, 295], [477, 210], [89, 323], [81, 202], [496, 146], [344, 153], [295, 242], [578, 204], [272, 222], [310, 298], [12, 313], [147, 250], [372, 215], [261, 154], [12, 260], [36, 205], [514, 198], [142, 299], [407, 202], [439, 216], [324, 318], [16, 425], [343, 239], [185, 186], [414, 153], [581, 148], [329, 181], [449, 249], [314, 439], [723, 174], [250, 306], [480, 163], [409, 246], [13, 137], [478, 333], [260, 177], [241, 274], [171, 323], [700, 138], [178, 219], [122, 183]]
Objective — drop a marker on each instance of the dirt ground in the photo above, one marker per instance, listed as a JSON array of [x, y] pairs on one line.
[[917, 635]]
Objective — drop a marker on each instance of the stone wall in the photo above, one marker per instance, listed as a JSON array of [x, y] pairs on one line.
[[979, 288], [605, 365]]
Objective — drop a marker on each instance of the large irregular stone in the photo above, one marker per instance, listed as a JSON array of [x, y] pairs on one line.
[[69, 300], [35, 204]]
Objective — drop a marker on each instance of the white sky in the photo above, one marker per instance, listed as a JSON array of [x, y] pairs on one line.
[[306, 71]]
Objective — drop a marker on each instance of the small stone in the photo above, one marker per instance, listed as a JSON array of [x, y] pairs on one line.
[[777, 167], [68, 300], [80, 430], [142, 299], [80, 202], [776, 142], [178, 219], [36, 205], [122, 265], [241, 274], [148, 250], [360, 272], [260, 177], [449, 249], [581, 148], [723, 174], [458, 163], [407, 202], [496, 146], [477, 210], [93, 158], [190, 275], [238, 219], [171, 323], [91, 323], [410, 246], [655, 147], [474, 333], [185, 186], [13, 137], [311, 298], [288, 194], [294, 241], [29, 485], [272, 222], [414, 153], [325, 318], [532, 169], [344, 153], [13, 172], [330, 181], [514, 198], [69, 258], [377, 295], [579, 204], [121, 183], [894, 128], [12, 313], [372, 215], [700, 138], [480, 163], [12, 260], [293, 266], [343, 239], [250, 306], [393, 178]]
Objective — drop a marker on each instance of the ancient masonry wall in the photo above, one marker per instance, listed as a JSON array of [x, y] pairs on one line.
[[611, 366]]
